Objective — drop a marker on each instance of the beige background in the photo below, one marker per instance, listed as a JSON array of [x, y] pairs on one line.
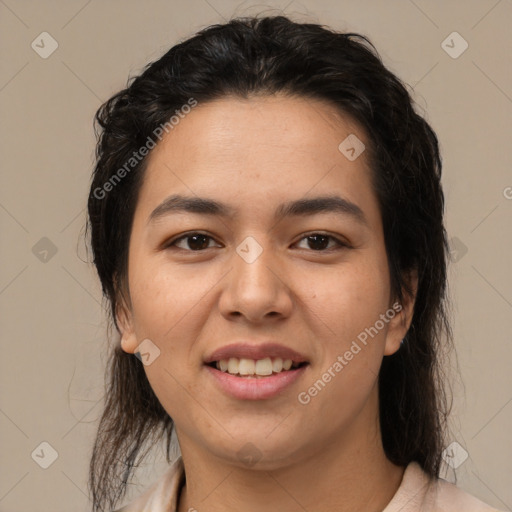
[[53, 328]]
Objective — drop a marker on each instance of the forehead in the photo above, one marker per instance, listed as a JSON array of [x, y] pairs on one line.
[[231, 128], [258, 151]]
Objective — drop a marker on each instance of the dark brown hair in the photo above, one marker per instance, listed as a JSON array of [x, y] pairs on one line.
[[267, 55]]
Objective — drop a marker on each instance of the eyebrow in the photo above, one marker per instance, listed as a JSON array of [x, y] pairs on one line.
[[302, 207]]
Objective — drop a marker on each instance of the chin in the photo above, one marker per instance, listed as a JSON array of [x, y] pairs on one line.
[[257, 450]]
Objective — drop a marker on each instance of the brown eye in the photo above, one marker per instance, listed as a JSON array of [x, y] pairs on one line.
[[192, 242], [320, 242]]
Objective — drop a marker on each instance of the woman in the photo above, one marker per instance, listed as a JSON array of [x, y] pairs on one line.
[[266, 218]]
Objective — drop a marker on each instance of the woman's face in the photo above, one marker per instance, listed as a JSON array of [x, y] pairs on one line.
[[262, 273]]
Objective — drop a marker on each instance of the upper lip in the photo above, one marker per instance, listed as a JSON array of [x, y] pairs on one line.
[[255, 351]]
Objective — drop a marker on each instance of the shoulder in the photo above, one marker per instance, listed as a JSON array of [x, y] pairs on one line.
[[451, 497], [162, 496], [419, 493]]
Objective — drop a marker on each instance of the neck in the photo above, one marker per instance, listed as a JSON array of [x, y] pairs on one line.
[[348, 473]]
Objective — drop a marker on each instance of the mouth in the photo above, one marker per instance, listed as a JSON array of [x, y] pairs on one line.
[[256, 368], [255, 379], [262, 371]]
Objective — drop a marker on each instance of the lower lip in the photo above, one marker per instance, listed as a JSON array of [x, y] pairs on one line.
[[255, 388]]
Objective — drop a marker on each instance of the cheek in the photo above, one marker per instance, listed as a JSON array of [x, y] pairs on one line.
[[351, 298], [166, 306], [163, 299], [350, 353]]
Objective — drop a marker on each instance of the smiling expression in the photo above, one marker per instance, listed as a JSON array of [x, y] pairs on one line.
[[252, 227]]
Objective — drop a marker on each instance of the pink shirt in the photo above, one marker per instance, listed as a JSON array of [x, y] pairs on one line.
[[413, 495]]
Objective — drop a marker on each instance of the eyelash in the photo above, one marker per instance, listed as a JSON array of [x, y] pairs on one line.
[[339, 243]]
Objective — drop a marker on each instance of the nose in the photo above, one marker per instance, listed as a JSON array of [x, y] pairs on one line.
[[257, 290]]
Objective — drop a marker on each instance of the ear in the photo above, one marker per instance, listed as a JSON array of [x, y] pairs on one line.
[[124, 318], [400, 323]]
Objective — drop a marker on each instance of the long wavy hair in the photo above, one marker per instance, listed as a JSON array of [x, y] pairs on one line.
[[267, 55]]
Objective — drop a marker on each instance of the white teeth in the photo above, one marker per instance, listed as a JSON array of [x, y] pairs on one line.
[[277, 365], [260, 367], [233, 365], [263, 366], [246, 367]]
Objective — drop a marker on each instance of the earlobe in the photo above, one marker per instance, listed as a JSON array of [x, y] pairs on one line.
[[400, 323], [126, 345], [125, 322], [396, 333]]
